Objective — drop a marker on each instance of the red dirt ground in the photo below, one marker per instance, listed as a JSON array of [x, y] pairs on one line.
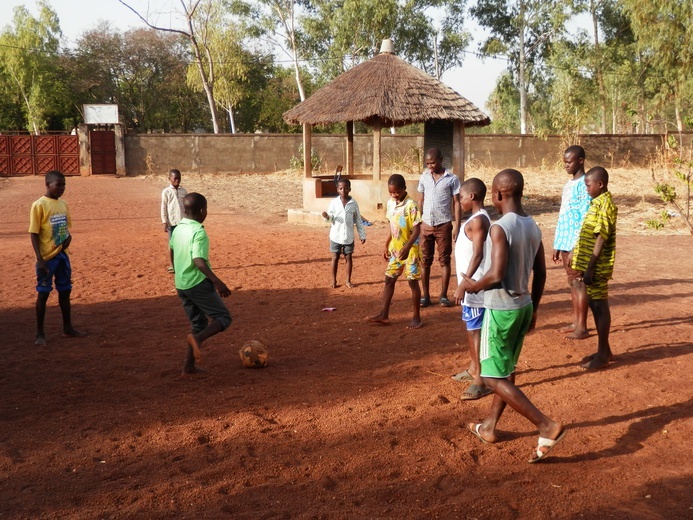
[[350, 420]]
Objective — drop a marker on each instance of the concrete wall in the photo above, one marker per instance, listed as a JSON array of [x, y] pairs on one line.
[[147, 153]]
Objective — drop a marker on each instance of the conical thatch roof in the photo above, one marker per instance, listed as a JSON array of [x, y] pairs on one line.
[[388, 89]]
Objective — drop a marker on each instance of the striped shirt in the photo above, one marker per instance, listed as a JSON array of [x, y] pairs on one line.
[[437, 206], [599, 221]]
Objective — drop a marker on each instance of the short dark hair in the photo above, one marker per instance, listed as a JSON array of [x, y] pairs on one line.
[[599, 173], [397, 180], [194, 203], [54, 175], [435, 152], [577, 150], [344, 181], [510, 181], [172, 172], [475, 186]]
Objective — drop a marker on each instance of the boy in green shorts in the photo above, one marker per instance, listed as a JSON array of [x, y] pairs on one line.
[[511, 311], [199, 289], [593, 258]]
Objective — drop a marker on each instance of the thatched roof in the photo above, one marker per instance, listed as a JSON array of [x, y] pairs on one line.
[[389, 89]]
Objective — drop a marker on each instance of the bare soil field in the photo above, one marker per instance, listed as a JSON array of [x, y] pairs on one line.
[[350, 419]]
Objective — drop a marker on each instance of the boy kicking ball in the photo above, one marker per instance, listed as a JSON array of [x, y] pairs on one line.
[[199, 289]]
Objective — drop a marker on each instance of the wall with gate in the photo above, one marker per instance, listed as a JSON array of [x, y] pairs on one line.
[[38, 154]]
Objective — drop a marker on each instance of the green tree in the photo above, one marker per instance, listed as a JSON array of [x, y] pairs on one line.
[[225, 59], [197, 19], [278, 22], [522, 30], [143, 71], [664, 38], [29, 50], [342, 33]]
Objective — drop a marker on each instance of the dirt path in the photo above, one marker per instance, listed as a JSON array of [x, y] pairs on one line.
[[350, 420]]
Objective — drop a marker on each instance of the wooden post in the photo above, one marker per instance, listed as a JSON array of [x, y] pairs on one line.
[[377, 126], [307, 145], [458, 154], [350, 148]]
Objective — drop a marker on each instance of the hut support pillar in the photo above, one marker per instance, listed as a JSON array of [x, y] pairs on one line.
[[376, 150], [350, 148], [307, 146], [458, 151]]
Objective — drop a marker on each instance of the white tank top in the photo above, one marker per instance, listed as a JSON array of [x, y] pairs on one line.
[[464, 249], [524, 238]]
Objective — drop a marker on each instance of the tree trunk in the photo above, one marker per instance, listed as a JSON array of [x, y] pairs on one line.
[[232, 122], [598, 65], [521, 72]]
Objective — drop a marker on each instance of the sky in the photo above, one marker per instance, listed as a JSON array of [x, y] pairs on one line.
[[474, 80]]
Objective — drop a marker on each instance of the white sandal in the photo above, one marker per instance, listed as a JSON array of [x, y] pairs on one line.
[[544, 446]]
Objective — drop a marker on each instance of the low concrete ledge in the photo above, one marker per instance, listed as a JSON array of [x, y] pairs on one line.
[[303, 216]]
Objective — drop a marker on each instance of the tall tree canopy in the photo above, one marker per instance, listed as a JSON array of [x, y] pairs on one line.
[[29, 50]]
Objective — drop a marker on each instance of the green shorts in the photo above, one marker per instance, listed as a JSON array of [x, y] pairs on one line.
[[502, 335]]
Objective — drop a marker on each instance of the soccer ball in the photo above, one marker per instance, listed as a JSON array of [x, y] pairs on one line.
[[253, 354]]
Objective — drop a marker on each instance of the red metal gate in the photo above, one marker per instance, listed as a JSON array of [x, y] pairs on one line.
[[38, 154], [103, 157]]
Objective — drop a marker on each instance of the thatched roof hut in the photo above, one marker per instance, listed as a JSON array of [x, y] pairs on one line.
[[388, 90], [385, 91]]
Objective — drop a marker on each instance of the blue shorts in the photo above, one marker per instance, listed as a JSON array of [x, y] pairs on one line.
[[58, 267], [473, 317]]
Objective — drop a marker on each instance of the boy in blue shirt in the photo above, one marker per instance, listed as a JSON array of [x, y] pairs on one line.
[[575, 202]]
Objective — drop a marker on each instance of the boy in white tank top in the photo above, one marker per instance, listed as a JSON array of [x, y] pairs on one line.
[[471, 254]]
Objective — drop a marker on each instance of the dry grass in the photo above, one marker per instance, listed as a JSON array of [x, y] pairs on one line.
[[269, 195]]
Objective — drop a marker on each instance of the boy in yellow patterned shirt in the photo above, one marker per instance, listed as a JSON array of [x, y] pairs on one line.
[[594, 256], [401, 250]]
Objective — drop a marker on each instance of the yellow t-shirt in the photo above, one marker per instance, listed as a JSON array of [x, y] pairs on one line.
[[50, 220]]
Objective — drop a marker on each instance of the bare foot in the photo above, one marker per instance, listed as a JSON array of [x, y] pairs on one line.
[[192, 371], [72, 333], [379, 318], [589, 358], [333, 285], [194, 345], [578, 334], [596, 363], [415, 324], [567, 328], [349, 285], [40, 340]]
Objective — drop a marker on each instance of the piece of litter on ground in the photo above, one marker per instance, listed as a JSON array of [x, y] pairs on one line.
[[330, 309]]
